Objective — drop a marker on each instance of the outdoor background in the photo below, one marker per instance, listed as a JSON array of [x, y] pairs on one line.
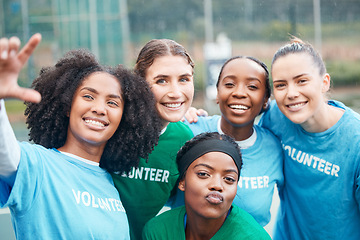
[[211, 30]]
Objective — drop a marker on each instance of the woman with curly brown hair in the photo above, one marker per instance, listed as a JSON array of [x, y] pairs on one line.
[[91, 120]]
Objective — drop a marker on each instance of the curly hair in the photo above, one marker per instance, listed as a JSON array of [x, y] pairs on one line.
[[48, 120]]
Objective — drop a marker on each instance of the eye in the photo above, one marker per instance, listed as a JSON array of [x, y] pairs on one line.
[[302, 81], [160, 81], [202, 174], [253, 87], [184, 79], [88, 97], [230, 180], [279, 85], [113, 103], [229, 85]]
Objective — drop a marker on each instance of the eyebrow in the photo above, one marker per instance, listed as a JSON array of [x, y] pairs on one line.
[[210, 167], [296, 77], [165, 76], [96, 92], [248, 78], [300, 75]]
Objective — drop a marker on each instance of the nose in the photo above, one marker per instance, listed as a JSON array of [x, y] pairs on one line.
[[239, 91], [292, 91], [216, 184], [174, 90], [98, 107]]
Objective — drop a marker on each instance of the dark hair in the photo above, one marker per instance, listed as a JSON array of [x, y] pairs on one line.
[[48, 120], [263, 65], [204, 137], [157, 48], [296, 45]]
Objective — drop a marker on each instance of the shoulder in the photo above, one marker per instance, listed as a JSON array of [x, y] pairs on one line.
[[205, 124], [266, 134], [245, 225], [33, 150], [179, 128], [166, 223]]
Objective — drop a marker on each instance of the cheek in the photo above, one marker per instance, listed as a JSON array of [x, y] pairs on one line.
[[158, 93], [189, 91]]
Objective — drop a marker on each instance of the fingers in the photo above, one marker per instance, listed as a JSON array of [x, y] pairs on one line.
[[29, 47], [4, 48], [201, 112], [14, 44], [27, 94], [191, 115]]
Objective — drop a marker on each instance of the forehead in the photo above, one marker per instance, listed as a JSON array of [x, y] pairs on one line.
[[170, 65], [102, 81], [243, 67], [295, 63], [219, 161]]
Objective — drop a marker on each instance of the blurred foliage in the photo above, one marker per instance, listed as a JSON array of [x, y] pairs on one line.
[[266, 21], [344, 73], [14, 106]]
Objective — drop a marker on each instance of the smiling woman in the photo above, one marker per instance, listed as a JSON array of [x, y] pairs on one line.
[[168, 69], [82, 120], [209, 166], [321, 140]]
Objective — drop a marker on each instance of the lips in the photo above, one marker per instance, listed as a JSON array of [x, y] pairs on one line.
[[172, 105], [296, 106], [238, 107], [215, 197], [96, 122]]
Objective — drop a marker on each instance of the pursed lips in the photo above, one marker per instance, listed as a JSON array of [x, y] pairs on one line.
[[214, 197]]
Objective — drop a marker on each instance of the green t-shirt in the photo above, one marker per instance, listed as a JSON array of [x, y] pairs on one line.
[[146, 189], [239, 225]]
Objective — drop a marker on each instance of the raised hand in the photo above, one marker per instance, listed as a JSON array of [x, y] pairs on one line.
[[11, 63]]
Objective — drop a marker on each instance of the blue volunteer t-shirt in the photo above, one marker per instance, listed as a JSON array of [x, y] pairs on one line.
[[56, 196], [321, 196]]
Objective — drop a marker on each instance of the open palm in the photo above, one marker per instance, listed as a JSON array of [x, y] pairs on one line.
[[11, 63]]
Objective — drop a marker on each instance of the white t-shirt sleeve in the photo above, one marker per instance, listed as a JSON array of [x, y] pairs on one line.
[[9, 148]]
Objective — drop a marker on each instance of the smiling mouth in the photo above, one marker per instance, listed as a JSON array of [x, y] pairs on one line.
[[172, 105], [238, 107], [95, 123], [295, 106], [215, 198]]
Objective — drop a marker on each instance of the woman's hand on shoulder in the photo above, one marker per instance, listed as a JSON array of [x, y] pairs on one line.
[[193, 113], [11, 62]]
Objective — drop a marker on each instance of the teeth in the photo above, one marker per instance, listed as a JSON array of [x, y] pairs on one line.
[[172, 105], [241, 107], [296, 105], [96, 123]]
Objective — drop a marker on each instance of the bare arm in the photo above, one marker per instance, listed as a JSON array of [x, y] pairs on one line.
[[11, 62], [9, 148]]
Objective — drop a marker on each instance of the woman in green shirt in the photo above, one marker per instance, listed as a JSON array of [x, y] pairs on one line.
[[209, 167]]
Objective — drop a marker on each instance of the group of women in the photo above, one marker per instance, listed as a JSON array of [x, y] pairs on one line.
[[96, 127]]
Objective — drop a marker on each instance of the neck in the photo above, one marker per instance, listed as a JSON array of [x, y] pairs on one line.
[[239, 133], [325, 118], [87, 151], [200, 228]]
